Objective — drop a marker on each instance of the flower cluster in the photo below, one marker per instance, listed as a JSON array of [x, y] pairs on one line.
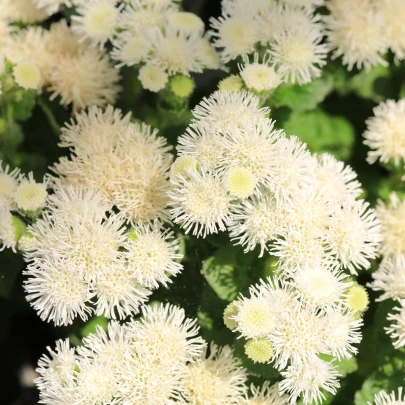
[[84, 259], [237, 173], [290, 32], [126, 162], [55, 60], [289, 323], [156, 360], [363, 34], [20, 196], [382, 398]]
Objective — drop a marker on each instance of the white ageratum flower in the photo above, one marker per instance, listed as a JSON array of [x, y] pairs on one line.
[[392, 218], [259, 76], [8, 181], [354, 235], [152, 255], [266, 394], [165, 334], [57, 368], [390, 278], [234, 35], [385, 132], [56, 292], [27, 75], [298, 54], [118, 292], [382, 398], [11, 227], [176, 52], [53, 6], [186, 22], [358, 34], [30, 196], [130, 48], [336, 181], [217, 379], [397, 328], [240, 182], [224, 110], [341, 332], [306, 4], [126, 162], [25, 11], [298, 336], [321, 287], [256, 221], [394, 15], [200, 203], [86, 79], [152, 78], [96, 21], [307, 380]]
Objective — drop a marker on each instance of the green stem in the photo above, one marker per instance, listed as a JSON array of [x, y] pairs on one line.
[[50, 117]]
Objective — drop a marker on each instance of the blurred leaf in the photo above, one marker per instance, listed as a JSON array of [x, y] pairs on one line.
[[91, 325], [302, 98], [23, 103], [322, 132], [12, 265]]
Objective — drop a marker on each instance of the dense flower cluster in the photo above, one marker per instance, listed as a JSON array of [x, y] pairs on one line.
[[237, 173], [156, 360], [290, 32], [295, 321]]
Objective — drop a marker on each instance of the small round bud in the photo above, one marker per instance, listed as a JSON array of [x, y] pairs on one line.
[[357, 298], [26, 240], [230, 311], [259, 350], [27, 75], [183, 164], [183, 21], [231, 83], [182, 86], [30, 196], [240, 182], [260, 77], [152, 78]]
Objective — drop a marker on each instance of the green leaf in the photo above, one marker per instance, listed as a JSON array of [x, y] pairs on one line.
[[91, 325], [302, 98], [322, 132], [218, 270]]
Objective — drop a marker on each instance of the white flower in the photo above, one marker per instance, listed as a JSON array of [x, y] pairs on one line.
[[84, 80], [152, 78], [11, 227], [30, 196], [397, 328], [234, 35], [385, 132], [259, 76], [356, 33], [240, 182], [224, 110], [266, 395], [56, 293], [53, 6], [119, 293], [255, 222], [298, 54], [200, 203], [390, 278], [308, 379], [130, 48], [382, 398], [152, 255], [322, 287], [188, 23], [25, 11], [176, 52], [8, 181], [308, 4], [58, 368], [354, 235], [96, 20], [297, 336], [392, 218], [128, 163], [217, 379], [165, 334], [342, 331]]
